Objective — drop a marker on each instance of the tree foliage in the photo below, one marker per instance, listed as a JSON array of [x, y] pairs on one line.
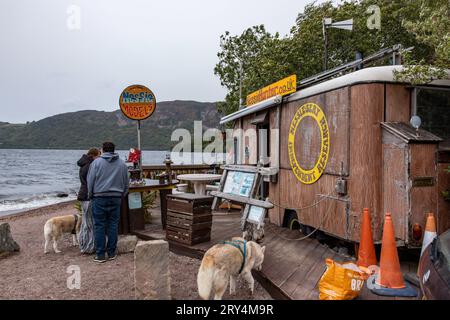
[[267, 58], [431, 29]]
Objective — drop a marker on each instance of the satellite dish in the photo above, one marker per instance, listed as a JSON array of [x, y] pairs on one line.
[[415, 122]]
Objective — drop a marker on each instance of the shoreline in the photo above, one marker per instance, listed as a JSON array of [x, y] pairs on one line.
[[37, 211]]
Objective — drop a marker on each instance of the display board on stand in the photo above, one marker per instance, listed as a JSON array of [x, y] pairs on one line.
[[240, 184]]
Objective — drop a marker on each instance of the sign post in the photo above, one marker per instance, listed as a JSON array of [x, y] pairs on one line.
[[137, 102]]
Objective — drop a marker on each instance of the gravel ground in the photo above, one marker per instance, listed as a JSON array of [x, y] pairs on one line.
[[31, 274]]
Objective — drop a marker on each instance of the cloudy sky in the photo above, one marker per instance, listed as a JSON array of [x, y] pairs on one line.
[[60, 56]]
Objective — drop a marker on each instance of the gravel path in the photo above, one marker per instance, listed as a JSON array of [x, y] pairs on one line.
[[31, 274]]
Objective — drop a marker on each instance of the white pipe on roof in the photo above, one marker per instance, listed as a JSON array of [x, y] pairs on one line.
[[252, 109]]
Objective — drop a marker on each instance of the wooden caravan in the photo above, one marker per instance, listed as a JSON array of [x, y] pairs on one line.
[[346, 144]]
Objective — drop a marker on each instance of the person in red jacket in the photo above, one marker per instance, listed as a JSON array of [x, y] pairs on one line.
[[134, 156]]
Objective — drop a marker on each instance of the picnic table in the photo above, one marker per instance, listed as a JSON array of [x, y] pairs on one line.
[[199, 180]]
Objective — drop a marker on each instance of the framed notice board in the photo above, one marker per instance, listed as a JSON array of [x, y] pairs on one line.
[[240, 184]]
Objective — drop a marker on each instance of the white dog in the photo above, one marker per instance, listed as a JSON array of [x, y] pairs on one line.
[[56, 226], [225, 262]]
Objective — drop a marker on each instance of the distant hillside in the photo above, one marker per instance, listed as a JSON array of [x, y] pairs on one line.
[[84, 129]]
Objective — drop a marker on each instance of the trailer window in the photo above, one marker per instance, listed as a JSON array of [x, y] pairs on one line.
[[433, 107]]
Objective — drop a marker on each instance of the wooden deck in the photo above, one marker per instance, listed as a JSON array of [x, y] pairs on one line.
[[291, 268]]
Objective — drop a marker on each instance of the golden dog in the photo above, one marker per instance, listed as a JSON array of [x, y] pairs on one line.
[[222, 263], [55, 227]]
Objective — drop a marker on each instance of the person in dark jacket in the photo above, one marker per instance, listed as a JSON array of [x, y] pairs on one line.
[[86, 237]]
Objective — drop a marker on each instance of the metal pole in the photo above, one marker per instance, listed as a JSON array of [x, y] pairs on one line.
[[325, 38], [240, 84], [139, 147]]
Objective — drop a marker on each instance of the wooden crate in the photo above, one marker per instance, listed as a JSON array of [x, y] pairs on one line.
[[189, 222], [189, 203], [189, 218], [188, 237]]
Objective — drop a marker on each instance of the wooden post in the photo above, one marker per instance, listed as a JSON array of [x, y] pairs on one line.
[[162, 194]]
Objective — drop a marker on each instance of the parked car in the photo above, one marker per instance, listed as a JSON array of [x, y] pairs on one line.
[[434, 269]]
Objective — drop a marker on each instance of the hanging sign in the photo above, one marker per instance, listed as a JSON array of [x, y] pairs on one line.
[[283, 87], [311, 175], [137, 102]]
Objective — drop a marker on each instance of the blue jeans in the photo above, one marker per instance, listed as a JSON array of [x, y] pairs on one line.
[[106, 213]]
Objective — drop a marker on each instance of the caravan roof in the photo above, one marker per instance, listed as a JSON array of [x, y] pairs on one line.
[[369, 75]]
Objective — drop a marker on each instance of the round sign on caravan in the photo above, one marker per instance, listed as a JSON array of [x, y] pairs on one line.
[[309, 176], [137, 102]]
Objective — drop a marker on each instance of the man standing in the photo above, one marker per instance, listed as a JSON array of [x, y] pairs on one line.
[[107, 182]]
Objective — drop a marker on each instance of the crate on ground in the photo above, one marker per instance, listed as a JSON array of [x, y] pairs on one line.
[[189, 218]]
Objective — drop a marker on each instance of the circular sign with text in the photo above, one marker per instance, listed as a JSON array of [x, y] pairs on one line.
[[309, 176], [137, 102]]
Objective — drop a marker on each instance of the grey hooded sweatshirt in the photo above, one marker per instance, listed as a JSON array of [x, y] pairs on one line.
[[107, 176]]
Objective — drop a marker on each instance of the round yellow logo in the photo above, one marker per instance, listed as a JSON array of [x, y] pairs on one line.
[[314, 111]]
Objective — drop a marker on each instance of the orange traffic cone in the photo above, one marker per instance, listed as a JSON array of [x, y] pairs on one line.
[[366, 252], [430, 232], [390, 274]]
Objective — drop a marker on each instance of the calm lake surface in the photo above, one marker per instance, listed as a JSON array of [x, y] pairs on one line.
[[33, 178]]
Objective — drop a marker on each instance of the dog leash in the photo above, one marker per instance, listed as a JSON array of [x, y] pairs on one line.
[[243, 252]]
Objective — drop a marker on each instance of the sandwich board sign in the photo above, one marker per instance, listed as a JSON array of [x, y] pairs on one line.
[[240, 184]]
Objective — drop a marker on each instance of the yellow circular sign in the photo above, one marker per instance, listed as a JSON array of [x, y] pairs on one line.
[[137, 102], [312, 175]]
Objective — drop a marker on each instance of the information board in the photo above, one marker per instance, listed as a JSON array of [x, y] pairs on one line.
[[256, 215], [239, 183], [134, 200]]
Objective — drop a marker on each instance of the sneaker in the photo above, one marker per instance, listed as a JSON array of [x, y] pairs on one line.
[[110, 258], [99, 260]]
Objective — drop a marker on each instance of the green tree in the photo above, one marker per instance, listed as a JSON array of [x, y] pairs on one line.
[[431, 29]]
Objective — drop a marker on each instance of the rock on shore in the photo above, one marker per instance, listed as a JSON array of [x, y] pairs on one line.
[[7, 243]]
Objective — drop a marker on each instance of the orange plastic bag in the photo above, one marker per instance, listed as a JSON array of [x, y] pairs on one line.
[[341, 281]]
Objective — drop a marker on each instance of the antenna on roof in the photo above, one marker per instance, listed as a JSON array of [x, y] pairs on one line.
[[328, 23]]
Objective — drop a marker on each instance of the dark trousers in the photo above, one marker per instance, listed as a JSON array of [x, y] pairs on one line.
[[106, 213]]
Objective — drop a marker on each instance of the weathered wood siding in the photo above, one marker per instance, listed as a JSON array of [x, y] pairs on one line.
[[336, 106], [275, 214], [398, 103], [364, 185], [330, 213], [395, 182], [423, 199]]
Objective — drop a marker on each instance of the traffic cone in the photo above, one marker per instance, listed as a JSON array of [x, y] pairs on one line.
[[366, 252], [430, 232], [390, 274], [389, 281]]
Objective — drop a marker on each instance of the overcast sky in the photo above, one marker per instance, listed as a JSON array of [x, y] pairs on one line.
[[48, 65]]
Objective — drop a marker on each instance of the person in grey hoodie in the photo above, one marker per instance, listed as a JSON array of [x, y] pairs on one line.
[[107, 183]]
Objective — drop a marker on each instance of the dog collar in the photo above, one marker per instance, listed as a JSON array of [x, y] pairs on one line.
[[235, 244]]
